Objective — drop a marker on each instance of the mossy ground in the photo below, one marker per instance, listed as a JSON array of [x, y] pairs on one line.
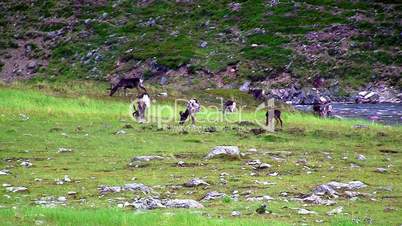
[[86, 120]]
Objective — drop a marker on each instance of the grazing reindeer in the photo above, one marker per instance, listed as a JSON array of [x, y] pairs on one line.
[[323, 107], [128, 83], [258, 94], [277, 116], [229, 106], [192, 108], [143, 102]]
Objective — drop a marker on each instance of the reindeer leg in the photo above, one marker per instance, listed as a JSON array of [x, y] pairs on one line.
[[192, 119]]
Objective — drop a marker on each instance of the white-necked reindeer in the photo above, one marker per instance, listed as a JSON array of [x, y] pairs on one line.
[[143, 102], [229, 106], [192, 108]]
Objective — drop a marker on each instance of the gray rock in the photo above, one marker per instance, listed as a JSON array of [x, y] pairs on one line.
[[255, 162], [213, 195], [236, 213], [245, 87], [195, 183], [333, 187], [103, 189], [315, 199], [163, 81], [16, 189], [305, 212], [227, 151], [203, 44], [147, 158], [154, 203], [182, 203], [264, 166], [337, 210], [64, 150], [381, 170], [361, 157], [259, 198], [26, 164], [4, 172]]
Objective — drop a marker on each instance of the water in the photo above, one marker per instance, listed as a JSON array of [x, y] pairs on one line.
[[384, 113]]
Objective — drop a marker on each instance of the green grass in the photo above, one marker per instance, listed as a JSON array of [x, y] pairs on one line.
[[68, 117]]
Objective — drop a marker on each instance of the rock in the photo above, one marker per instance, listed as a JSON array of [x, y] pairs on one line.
[[256, 162], [64, 150], [315, 199], [234, 6], [127, 126], [213, 195], [259, 198], [51, 202], [26, 164], [103, 189], [264, 166], [120, 132], [4, 172], [361, 157], [163, 94], [337, 210], [195, 183], [210, 129], [305, 212], [6, 185], [65, 179], [245, 87], [163, 81], [154, 203], [227, 151], [203, 44], [16, 189], [351, 194], [182, 203], [181, 164], [147, 158], [236, 213], [62, 199], [24, 117], [381, 170], [331, 188]]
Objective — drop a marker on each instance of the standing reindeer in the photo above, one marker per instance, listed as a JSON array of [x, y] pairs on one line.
[[192, 108], [128, 83], [277, 116], [229, 106], [143, 102]]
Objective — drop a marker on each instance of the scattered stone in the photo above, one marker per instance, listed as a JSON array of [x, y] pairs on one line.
[[361, 157], [264, 166], [315, 199], [381, 170], [234, 6], [4, 172], [181, 164], [305, 212], [6, 185], [260, 198], [120, 132], [265, 182], [24, 117], [228, 151], [337, 210], [389, 209], [154, 203], [164, 94], [213, 195], [332, 187], [26, 164], [64, 150], [147, 158], [51, 202], [203, 44], [210, 129], [236, 213], [16, 189], [195, 183], [72, 193], [103, 189], [254, 162]]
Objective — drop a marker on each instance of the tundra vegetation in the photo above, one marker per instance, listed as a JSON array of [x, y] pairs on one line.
[[63, 146]]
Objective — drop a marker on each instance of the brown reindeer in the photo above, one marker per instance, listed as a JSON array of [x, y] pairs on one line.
[[128, 83], [229, 106], [277, 116]]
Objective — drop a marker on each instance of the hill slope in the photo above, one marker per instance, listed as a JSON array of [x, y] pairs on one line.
[[215, 43]]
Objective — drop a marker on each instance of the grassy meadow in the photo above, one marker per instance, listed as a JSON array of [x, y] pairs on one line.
[[37, 120]]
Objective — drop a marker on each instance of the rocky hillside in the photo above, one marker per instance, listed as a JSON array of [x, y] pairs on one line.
[[206, 44]]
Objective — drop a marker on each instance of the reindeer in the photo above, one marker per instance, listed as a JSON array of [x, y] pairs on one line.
[[143, 102], [192, 108], [229, 106], [128, 83], [258, 94], [277, 116]]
